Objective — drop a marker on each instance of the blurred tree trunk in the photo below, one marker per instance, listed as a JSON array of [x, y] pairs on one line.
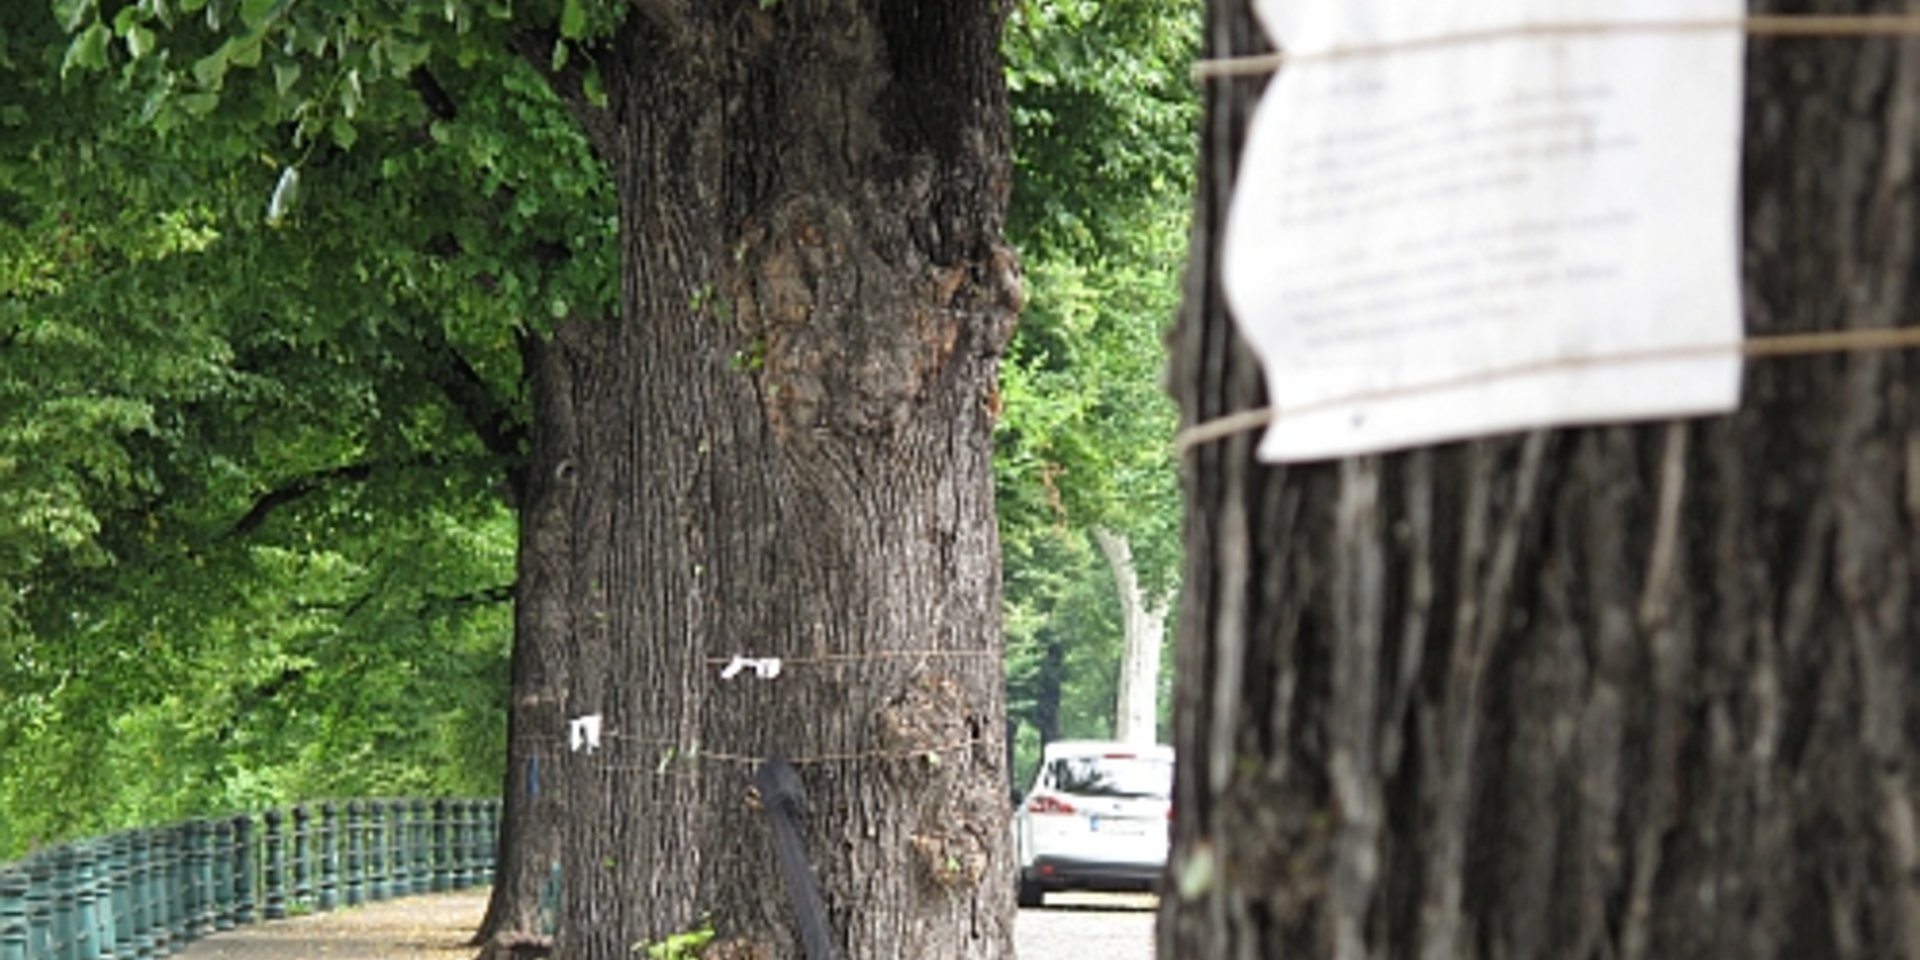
[[1634, 692]]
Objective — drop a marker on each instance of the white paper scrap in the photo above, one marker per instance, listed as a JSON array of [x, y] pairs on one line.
[[584, 733], [1454, 240], [766, 668]]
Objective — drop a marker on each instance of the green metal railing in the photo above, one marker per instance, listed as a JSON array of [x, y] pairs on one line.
[[148, 893]]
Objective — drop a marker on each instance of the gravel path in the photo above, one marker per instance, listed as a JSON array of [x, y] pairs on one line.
[[416, 928], [1071, 927], [1087, 926]]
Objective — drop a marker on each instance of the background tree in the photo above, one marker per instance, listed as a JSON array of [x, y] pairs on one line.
[[1633, 691], [1103, 116]]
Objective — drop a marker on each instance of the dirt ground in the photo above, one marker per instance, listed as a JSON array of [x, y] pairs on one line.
[[1072, 927], [417, 928]]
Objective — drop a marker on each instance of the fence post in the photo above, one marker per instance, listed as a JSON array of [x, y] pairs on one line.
[[13, 914], [119, 885], [442, 878], [418, 853], [467, 821], [39, 906], [302, 850], [379, 816], [173, 889], [140, 894], [245, 867], [456, 845], [329, 896], [64, 906], [93, 913], [105, 865], [404, 848], [402, 861], [183, 898], [276, 901], [479, 854], [351, 867], [85, 920], [489, 838], [164, 893], [199, 879], [220, 874]]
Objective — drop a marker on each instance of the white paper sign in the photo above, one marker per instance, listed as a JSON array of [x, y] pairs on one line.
[[1460, 239]]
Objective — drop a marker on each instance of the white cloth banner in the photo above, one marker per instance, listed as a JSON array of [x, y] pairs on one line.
[[1459, 239]]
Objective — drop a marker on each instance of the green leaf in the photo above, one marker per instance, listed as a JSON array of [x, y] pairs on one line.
[[88, 51], [198, 104], [253, 13], [285, 75], [405, 56], [140, 41], [71, 13], [126, 19], [592, 89], [573, 19], [210, 70], [244, 51], [345, 135]]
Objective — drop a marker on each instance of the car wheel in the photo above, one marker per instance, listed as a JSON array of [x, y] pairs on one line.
[[1031, 894]]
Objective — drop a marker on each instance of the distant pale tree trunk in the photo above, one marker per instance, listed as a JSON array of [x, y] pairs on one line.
[[1634, 691], [1144, 626]]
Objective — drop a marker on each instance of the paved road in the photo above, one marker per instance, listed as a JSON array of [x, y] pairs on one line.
[[1087, 926], [1071, 927]]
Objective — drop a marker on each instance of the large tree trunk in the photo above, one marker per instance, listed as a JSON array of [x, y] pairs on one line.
[[786, 455], [532, 805], [1636, 692], [1136, 709]]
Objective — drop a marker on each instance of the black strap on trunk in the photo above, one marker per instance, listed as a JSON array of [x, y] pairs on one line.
[[785, 798]]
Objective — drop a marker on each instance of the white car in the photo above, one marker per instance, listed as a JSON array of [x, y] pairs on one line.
[[1097, 818]]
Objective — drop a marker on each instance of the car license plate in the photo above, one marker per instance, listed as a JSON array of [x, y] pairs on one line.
[[1118, 827]]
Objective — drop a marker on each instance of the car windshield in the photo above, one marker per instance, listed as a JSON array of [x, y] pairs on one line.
[[1090, 776]]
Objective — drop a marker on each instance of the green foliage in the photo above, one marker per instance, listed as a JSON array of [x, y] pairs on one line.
[[255, 442], [1103, 115]]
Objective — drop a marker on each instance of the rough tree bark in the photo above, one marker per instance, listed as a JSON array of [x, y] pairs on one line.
[[1635, 692], [784, 453], [532, 795], [1136, 713]]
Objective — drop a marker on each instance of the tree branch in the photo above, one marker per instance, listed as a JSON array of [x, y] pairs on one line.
[[499, 593], [293, 490], [492, 420], [436, 98], [305, 485], [598, 124]]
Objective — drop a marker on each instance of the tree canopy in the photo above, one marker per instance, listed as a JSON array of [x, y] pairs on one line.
[[262, 405]]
